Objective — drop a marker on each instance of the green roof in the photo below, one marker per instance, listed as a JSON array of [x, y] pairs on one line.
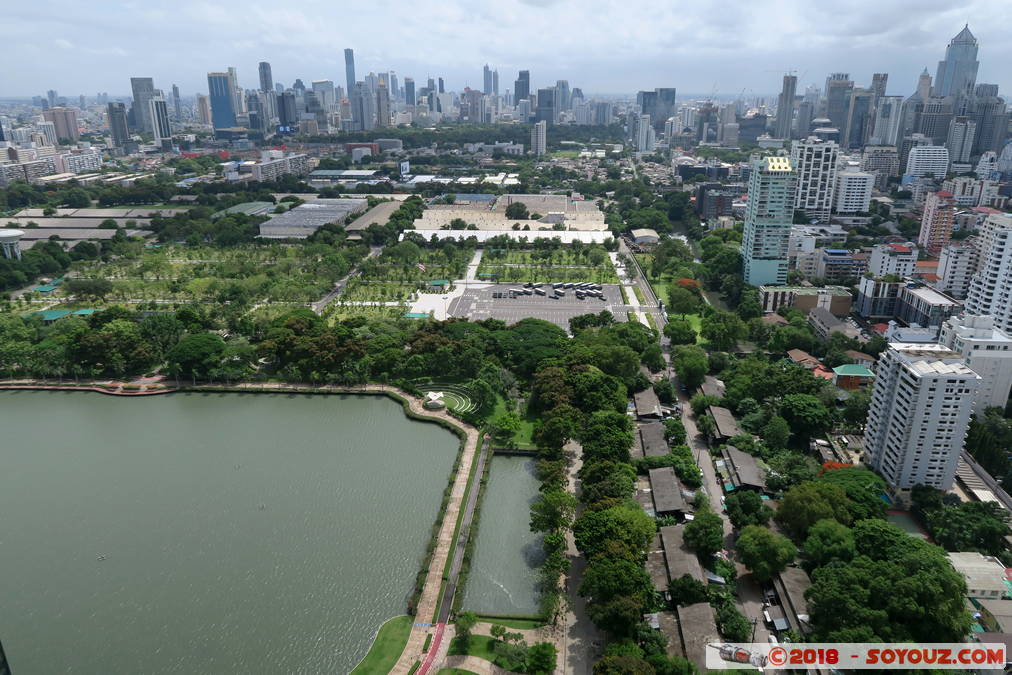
[[44, 289], [853, 370], [439, 282], [88, 311], [50, 314], [416, 315]]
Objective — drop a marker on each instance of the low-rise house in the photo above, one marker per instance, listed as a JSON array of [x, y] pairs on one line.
[[852, 376], [984, 574]]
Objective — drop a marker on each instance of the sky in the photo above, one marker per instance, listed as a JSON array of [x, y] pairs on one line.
[[601, 46]]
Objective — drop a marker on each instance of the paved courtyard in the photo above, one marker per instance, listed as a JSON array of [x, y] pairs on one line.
[[477, 303]]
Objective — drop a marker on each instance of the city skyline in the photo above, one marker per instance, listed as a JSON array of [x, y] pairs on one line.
[[694, 49]]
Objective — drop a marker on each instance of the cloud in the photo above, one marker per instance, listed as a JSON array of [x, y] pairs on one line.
[[598, 45]]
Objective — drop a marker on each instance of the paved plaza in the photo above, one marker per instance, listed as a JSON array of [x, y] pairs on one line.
[[477, 303]]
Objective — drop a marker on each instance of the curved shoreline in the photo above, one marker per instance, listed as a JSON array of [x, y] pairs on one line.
[[444, 529]]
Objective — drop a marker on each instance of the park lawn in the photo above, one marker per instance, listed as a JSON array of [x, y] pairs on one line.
[[478, 645], [524, 437], [455, 671], [387, 647], [566, 154], [695, 321]]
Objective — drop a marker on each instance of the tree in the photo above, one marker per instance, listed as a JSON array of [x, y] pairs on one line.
[[89, 288], [723, 330], [625, 524], [506, 425], [776, 433], [747, 508], [685, 590], [553, 511], [690, 365], [195, 355], [517, 211], [971, 526], [807, 503], [541, 658], [864, 491], [619, 616], [680, 332], [828, 541], [766, 554], [466, 622], [607, 579], [682, 301], [855, 408], [806, 414], [623, 665], [653, 358], [705, 534]]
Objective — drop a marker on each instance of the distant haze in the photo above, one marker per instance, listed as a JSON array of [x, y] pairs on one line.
[[598, 45]]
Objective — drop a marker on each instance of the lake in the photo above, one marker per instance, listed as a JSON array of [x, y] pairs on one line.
[[209, 533], [504, 565]]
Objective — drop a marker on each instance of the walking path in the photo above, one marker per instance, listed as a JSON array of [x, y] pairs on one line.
[[321, 304]]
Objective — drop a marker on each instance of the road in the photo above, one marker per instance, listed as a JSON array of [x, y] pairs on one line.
[[321, 304]]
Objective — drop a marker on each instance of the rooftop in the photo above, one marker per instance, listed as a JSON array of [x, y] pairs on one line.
[[853, 370], [778, 164], [806, 290], [931, 296]]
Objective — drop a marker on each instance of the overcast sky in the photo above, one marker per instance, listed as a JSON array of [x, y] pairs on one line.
[[602, 46]]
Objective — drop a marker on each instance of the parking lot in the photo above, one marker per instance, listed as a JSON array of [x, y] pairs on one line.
[[478, 303]]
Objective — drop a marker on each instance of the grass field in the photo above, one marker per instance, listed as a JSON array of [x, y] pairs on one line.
[[478, 645], [381, 291], [548, 273], [387, 647], [455, 671], [524, 437]]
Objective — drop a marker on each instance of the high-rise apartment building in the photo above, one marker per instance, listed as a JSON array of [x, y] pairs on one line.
[[117, 118], [919, 414], [349, 70], [957, 263], [898, 260], [814, 161], [486, 80], [768, 218], [853, 191], [883, 161], [957, 72], [539, 138], [991, 287], [143, 89], [203, 109], [266, 77], [988, 352], [546, 110], [65, 122], [936, 223], [785, 107], [221, 96], [363, 113], [643, 134], [177, 104], [927, 160]]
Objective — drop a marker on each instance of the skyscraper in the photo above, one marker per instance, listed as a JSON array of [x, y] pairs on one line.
[[838, 89], [266, 78], [919, 414], [785, 107], [117, 115], [962, 131], [936, 222], [362, 108], [888, 120], [143, 89], [522, 87], [203, 109], [382, 106], [409, 91], [325, 94], [539, 138], [442, 86], [546, 110], [768, 217], [221, 95], [878, 84], [177, 105], [957, 72], [238, 99], [349, 70], [814, 161], [562, 97], [860, 118], [495, 82], [487, 80], [160, 120]]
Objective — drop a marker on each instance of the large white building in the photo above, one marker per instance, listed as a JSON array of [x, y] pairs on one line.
[[768, 217], [539, 138], [853, 191], [991, 287], [957, 263], [893, 259], [988, 352], [814, 161], [928, 160], [920, 410]]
